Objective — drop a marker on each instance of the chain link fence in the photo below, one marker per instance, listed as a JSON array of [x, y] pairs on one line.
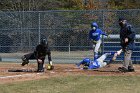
[[66, 32]]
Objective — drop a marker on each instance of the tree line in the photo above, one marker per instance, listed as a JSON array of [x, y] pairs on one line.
[[43, 5]]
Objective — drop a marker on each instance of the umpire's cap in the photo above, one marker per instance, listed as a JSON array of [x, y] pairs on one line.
[[121, 19]]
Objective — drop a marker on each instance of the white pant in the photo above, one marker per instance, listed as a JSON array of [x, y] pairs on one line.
[[101, 60], [96, 46]]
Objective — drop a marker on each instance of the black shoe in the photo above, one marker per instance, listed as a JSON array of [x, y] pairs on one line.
[[40, 70], [25, 61], [123, 69], [131, 69]]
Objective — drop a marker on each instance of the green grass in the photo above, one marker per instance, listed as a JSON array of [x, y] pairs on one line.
[[76, 84]]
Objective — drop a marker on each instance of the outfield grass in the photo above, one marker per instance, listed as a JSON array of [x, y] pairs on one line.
[[76, 84]]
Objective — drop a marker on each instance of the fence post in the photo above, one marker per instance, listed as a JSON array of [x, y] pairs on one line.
[[39, 27], [69, 47], [102, 48]]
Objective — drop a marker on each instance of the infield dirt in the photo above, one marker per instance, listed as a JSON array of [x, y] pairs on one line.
[[23, 73]]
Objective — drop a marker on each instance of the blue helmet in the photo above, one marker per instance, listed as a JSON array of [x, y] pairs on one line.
[[86, 60], [94, 25]]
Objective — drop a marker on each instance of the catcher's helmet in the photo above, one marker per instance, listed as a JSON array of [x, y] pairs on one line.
[[43, 41]]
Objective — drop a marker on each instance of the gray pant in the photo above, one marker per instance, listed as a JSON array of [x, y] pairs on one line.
[[127, 59]]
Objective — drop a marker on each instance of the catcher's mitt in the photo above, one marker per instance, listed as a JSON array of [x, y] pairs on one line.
[[50, 67]]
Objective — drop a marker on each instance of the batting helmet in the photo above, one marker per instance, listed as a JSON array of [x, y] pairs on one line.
[[94, 25], [86, 61]]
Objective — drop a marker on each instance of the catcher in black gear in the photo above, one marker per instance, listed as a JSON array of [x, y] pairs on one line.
[[39, 54]]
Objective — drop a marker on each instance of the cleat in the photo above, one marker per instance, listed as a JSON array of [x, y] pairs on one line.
[[131, 69], [25, 61], [123, 69], [42, 70]]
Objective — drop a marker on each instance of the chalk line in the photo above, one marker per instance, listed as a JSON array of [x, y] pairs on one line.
[[22, 75]]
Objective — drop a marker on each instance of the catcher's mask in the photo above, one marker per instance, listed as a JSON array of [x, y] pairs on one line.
[[43, 41]]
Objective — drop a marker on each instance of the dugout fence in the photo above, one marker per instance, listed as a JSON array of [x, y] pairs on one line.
[[65, 30]]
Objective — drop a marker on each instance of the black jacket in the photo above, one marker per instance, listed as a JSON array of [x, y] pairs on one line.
[[42, 50], [127, 32]]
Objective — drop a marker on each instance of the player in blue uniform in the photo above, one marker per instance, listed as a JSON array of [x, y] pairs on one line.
[[99, 62], [95, 63], [95, 37]]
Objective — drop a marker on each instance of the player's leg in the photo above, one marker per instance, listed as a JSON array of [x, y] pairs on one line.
[[103, 57], [97, 46], [130, 67], [40, 63], [127, 60], [101, 60], [93, 47], [50, 65], [49, 57], [127, 64], [27, 57]]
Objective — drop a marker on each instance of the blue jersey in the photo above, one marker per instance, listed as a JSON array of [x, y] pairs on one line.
[[96, 34], [94, 65]]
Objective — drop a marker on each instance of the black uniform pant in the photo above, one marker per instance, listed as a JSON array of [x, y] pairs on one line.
[[30, 56]]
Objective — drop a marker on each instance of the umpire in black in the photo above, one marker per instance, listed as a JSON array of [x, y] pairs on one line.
[[127, 41], [39, 54]]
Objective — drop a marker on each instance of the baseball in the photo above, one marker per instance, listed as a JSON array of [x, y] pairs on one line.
[[49, 67]]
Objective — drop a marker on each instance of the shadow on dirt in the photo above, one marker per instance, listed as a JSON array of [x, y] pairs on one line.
[[20, 70]]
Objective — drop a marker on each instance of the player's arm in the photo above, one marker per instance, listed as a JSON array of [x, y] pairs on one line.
[[90, 36], [117, 54], [49, 57], [131, 35], [103, 33], [48, 52], [50, 65]]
